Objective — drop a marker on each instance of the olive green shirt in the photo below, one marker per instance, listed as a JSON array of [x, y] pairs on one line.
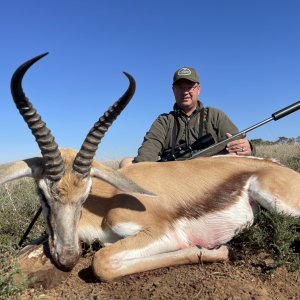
[[159, 138]]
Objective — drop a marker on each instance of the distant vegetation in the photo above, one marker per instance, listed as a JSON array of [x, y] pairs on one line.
[[285, 150], [281, 140]]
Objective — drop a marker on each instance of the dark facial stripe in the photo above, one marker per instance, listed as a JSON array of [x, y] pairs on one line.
[[43, 199]]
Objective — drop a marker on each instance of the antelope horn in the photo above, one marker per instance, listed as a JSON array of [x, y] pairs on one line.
[[84, 158], [52, 160]]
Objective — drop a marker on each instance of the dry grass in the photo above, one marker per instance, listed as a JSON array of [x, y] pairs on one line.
[[287, 154], [18, 204]]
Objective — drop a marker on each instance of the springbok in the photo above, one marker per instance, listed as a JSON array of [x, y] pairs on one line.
[[148, 215]]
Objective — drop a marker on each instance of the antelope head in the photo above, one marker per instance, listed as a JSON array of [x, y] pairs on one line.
[[64, 176]]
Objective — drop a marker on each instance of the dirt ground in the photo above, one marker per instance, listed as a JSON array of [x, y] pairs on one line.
[[245, 278]]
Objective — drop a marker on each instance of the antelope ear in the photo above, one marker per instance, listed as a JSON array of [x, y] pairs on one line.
[[22, 168], [118, 180]]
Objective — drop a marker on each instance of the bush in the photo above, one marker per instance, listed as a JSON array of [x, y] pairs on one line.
[[276, 234], [12, 282]]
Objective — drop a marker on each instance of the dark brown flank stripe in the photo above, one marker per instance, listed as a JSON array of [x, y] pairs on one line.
[[215, 200]]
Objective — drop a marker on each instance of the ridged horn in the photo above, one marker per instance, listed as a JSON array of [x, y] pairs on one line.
[[53, 163], [84, 158]]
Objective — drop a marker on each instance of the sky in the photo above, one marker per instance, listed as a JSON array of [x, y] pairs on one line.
[[245, 52]]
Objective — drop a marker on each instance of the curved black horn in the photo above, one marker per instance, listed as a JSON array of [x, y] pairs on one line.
[[84, 158], [53, 163]]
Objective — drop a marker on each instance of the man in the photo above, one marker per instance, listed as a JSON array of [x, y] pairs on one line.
[[188, 121]]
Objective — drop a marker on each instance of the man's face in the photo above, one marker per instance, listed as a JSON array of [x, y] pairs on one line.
[[186, 94]]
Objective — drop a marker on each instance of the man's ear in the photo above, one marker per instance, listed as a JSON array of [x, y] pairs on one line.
[[199, 89]]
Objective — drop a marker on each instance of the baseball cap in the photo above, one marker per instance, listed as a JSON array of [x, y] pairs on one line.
[[186, 73]]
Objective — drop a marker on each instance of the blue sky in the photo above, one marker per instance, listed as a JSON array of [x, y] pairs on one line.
[[246, 53]]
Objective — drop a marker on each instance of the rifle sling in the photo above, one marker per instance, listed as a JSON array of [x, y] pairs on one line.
[[175, 130]]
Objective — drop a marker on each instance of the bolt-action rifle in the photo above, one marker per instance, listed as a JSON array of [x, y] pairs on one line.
[[206, 146]]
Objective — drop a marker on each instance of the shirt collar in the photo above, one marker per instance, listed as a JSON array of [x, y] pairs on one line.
[[178, 111]]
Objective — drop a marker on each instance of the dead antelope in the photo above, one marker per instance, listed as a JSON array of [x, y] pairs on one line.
[[148, 215]]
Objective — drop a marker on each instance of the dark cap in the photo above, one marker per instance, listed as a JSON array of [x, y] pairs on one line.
[[186, 73]]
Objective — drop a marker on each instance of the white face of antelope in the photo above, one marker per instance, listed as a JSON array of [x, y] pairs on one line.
[[66, 182], [62, 204]]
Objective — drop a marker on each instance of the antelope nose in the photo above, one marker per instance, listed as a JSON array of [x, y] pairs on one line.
[[68, 258]]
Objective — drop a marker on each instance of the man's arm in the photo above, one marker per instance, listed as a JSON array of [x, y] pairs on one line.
[[153, 143], [224, 128]]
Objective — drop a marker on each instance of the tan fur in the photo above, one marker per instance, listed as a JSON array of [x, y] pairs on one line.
[[146, 211]]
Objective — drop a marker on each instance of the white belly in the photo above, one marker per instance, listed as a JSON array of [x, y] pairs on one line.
[[216, 228]]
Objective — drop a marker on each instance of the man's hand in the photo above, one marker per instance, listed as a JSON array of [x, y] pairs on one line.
[[238, 147]]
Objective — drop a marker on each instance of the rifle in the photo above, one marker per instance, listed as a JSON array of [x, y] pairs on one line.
[[216, 148], [201, 143], [206, 146]]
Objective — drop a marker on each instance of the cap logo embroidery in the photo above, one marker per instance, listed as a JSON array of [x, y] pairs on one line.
[[184, 71]]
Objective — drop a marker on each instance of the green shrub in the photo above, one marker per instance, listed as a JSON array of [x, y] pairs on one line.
[[276, 234], [12, 282], [294, 163]]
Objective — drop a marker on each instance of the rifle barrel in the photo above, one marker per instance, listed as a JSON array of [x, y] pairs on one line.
[[216, 148], [286, 111]]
